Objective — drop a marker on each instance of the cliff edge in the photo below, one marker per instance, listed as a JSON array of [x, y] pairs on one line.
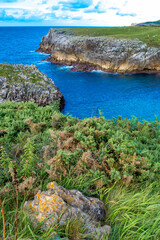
[[105, 53]]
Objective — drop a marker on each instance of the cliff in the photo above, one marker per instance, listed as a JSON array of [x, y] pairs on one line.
[[106, 53], [153, 23], [26, 83]]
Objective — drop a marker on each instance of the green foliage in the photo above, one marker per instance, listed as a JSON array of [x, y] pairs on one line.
[[128, 150], [152, 23], [19, 73], [27, 134], [6, 166], [148, 34], [28, 162], [134, 214], [97, 156]]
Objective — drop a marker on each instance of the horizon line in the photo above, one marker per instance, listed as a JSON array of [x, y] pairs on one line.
[[64, 26]]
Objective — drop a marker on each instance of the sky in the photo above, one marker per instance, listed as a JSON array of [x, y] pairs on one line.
[[77, 13]]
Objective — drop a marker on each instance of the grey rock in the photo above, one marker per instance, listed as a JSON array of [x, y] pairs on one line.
[[58, 205], [109, 54], [27, 83]]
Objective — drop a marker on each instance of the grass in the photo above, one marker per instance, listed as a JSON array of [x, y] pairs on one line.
[[157, 23], [135, 213], [146, 34], [132, 213]]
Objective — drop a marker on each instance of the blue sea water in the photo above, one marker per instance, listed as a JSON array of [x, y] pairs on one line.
[[85, 93]]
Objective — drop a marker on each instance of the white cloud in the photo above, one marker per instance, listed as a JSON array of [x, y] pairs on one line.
[[99, 13]]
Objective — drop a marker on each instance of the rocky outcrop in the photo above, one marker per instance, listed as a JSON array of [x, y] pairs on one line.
[[108, 54], [153, 24], [26, 83], [58, 205]]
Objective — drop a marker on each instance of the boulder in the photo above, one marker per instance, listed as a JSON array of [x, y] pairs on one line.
[[58, 205]]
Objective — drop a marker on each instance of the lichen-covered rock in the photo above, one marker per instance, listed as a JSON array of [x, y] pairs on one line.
[[58, 205], [106, 53], [26, 83]]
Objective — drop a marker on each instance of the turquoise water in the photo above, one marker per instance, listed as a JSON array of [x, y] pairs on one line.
[[85, 93]]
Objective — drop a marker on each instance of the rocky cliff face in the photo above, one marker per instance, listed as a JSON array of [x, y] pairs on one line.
[[108, 54], [26, 83]]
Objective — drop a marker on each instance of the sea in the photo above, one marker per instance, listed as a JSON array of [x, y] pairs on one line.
[[86, 94]]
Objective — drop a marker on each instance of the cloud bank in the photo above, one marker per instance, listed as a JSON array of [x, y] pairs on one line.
[[77, 13]]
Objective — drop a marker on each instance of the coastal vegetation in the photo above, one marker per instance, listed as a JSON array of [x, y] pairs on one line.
[[151, 23], [147, 34], [20, 73], [115, 160]]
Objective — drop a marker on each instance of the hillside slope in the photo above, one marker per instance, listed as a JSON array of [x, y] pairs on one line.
[[152, 23]]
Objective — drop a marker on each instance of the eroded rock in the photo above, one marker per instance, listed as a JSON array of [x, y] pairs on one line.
[[26, 83], [58, 205], [106, 53]]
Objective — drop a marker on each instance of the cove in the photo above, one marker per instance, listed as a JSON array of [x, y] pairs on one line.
[[85, 93]]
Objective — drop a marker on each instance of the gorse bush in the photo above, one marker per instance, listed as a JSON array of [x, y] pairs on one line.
[[90, 155], [45, 143]]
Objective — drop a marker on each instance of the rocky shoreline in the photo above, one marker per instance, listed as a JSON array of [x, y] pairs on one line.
[[26, 83], [75, 67], [87, 53]]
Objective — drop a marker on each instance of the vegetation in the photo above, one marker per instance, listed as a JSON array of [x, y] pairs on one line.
[[115, 160], [147, 34], [153, 23], [20, 73]]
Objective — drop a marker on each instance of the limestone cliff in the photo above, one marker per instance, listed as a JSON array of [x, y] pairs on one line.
[[26, 83], [108, 54]]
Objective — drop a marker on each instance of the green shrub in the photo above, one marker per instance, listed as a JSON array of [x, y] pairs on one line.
[[90, 155]]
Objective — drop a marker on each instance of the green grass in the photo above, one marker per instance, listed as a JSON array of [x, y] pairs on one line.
[[147, 34], [134, 213], [155, 23]]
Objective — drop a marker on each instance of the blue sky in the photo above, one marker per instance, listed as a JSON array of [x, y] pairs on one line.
[[77, 13]]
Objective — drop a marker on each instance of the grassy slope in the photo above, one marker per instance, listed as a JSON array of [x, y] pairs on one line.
[[127, 150], [148, 23], [149, 35]]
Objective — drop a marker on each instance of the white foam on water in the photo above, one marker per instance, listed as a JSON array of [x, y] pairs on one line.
[[101, 71], [42, 62], [65, 67], [41, 53], [98, 71]]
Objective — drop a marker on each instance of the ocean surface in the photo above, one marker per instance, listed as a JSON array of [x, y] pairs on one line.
[[85, 93]]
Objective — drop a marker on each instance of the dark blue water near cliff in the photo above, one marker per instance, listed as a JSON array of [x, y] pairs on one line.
[[85, 93]]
